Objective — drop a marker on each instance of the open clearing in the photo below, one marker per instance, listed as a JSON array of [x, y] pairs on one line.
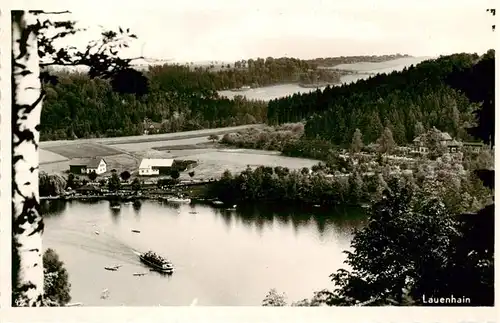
[[122, 155], [151, 138], [213, 163], [161, 145], [83, 150], [119, 162], [50, 157]]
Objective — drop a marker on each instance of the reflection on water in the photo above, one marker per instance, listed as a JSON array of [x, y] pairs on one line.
[[341, 218], [52, 207], [222, 257]]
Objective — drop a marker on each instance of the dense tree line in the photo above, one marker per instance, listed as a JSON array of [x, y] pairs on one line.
[[266, 138], [267, 71], [179, 98], [397, 100], [332, 61], [349, 185]]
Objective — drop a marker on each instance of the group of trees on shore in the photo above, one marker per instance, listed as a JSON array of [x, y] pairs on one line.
[[460, 191]]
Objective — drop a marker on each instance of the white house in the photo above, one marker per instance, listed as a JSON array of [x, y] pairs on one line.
[[155, 166], [88, 165]]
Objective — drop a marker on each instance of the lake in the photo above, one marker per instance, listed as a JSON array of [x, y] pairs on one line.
[[222, 257], [363, 70]]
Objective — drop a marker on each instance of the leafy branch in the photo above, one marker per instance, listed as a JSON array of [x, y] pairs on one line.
[[101, 56]]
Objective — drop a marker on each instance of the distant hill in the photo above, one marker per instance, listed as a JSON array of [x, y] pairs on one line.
[[339, 60]]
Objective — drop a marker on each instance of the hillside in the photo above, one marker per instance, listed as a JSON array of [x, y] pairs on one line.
[[181, 98]]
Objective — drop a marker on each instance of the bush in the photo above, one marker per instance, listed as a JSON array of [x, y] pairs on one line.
[[273, 298], [182, 165], [125, 175], [175, 174], [93, 176]]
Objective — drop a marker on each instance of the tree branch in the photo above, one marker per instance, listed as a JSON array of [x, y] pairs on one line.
[[41, 12], [80, 62]]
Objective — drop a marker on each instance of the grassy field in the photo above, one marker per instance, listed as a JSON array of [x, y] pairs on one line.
[[50, 157], [212, 159], [119, 162], [151, 138], [162, 145], [80, 150]]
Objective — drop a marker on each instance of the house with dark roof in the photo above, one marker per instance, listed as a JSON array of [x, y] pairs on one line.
[[87, 165], [454, 146], [419, 143]]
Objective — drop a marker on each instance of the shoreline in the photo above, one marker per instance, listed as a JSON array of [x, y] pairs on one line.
[[205, 200]]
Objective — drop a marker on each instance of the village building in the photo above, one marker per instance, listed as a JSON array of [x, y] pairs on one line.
[[419, 143], [475, 147], [454, 146], [155, 166], [87, 165]]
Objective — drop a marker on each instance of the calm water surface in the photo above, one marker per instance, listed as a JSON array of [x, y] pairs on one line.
[[364, 70], [222, 257]]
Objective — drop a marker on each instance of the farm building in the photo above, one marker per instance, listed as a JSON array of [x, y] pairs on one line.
[[156, 166], [87, 166]]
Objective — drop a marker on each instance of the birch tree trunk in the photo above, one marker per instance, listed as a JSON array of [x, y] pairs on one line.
[[27, 222]]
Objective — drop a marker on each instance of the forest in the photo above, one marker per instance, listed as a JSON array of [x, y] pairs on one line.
[[180, 98], [398, 100], [183, 98], [80, 107]]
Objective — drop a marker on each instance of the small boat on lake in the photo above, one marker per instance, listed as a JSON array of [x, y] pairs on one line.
[[139, 274], [217, 202], [74, 304], [157, 262], [105, 293], [112, 268], [179, 200]]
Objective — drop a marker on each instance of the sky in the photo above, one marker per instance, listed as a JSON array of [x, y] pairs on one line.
[[226, 30]]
